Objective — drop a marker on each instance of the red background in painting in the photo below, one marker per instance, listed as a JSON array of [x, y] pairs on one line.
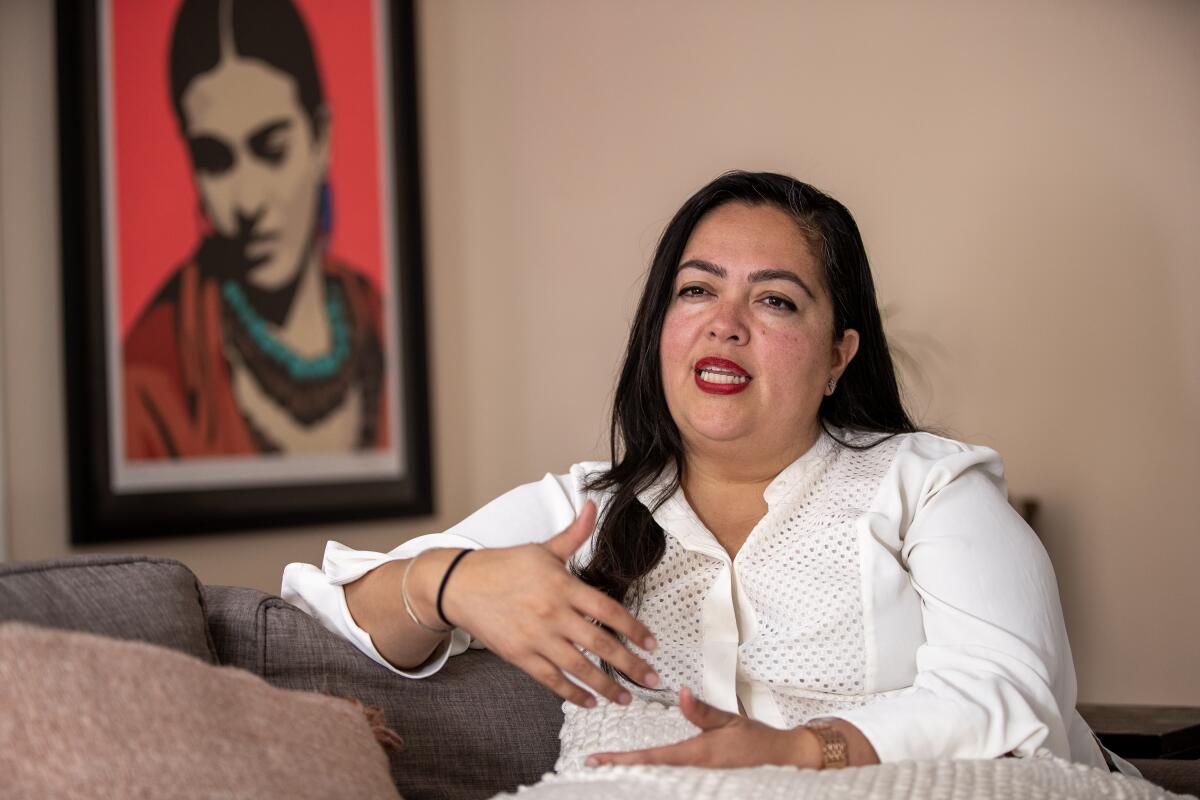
[[156, 204]]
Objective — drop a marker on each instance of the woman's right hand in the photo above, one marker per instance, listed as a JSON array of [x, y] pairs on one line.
[[528, 609]]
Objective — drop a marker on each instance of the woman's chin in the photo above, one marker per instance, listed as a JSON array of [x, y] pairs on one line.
[[274, 272], [730, 435], [740, 438]]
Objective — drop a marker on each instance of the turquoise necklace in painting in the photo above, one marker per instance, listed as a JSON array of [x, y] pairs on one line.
[[297, 366]]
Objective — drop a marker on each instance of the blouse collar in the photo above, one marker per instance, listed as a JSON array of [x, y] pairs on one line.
[[677, 517]]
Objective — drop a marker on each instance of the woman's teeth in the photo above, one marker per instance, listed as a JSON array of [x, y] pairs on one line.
[[712, 376]]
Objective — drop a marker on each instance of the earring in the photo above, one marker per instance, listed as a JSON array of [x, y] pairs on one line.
[[831, 387], [325, 209]]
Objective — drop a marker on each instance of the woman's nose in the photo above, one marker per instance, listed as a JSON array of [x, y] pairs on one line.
[[250, 195], [249, 204], [727, 325]]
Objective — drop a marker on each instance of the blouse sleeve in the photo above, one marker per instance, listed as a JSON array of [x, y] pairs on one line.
[[994, 675], [533, 512]]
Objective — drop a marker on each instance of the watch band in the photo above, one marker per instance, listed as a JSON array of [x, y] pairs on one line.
[[833, 744]]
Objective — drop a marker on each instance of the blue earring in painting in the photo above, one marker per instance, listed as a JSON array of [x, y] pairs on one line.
[[325, 210]]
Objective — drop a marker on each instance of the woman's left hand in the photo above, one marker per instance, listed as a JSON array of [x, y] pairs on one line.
[[725, 740]]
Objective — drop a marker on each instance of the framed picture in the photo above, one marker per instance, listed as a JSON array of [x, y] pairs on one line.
[[242, 290]]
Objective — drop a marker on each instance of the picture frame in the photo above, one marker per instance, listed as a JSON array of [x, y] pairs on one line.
[[242, 290]]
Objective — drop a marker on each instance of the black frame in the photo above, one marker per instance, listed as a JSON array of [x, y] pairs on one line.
[[99, 514]]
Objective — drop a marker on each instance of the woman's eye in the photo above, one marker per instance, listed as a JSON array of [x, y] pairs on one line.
[[691, 291], [781, 303], [270, 143], [269, 151]]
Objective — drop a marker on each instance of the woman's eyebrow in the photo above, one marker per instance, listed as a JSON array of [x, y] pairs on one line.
[[259, 136], [758, 276], [704, 266], [780, 275]]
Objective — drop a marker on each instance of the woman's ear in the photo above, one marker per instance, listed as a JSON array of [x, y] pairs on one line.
[[844, 350]]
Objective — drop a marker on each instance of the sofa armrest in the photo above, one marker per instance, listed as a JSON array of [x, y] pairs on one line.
[[478, 727]]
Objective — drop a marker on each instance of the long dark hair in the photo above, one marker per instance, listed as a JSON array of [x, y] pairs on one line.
[[644, 439]]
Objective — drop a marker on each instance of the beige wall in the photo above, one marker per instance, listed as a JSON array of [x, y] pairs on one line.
[[1026, 176]]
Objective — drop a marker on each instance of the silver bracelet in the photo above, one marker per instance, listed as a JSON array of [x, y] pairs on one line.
[[408, 605]]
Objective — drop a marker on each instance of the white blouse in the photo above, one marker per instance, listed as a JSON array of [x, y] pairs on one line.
[[893, 587]]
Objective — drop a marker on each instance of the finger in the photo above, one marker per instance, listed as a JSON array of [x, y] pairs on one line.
[[599, 642], [568, 659], [689, 752], [604, 609], [564, 545], [700, 713], [550, 676]]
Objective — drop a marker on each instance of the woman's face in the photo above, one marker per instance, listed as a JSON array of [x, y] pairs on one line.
[[259, 164], [747, 343]]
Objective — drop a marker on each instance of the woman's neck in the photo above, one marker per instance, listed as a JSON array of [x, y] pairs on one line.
[[305, 329], [725, 486]]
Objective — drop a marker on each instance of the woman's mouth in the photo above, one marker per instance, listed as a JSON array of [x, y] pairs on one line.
[[720, 376]]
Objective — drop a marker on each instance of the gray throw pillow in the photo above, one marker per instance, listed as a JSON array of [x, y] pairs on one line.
[[154, 600]]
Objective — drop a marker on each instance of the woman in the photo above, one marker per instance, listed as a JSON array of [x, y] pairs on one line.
[[816, 582], [260, 342]]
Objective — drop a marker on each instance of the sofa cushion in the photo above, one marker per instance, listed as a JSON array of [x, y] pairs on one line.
[[234, 617], [154, 600], [1176, 775], [480, 726], [88, 716]]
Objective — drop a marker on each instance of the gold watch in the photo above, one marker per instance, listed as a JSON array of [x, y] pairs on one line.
[[833, 744]]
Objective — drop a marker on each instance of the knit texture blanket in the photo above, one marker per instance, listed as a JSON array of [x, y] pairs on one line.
[[610, 727], [1047, 778]]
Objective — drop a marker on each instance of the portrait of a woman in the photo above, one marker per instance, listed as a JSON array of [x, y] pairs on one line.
[[262, 341]]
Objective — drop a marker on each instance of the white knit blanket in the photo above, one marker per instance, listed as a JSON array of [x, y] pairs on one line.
[[610, 727], [1047, 778]]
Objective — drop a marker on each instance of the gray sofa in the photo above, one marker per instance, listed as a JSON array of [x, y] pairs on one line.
[[476, 728]]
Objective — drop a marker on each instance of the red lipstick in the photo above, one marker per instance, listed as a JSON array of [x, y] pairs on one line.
[[720, 376]]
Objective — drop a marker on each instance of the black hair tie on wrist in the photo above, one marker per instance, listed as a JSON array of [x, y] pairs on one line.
[[442, 588]]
